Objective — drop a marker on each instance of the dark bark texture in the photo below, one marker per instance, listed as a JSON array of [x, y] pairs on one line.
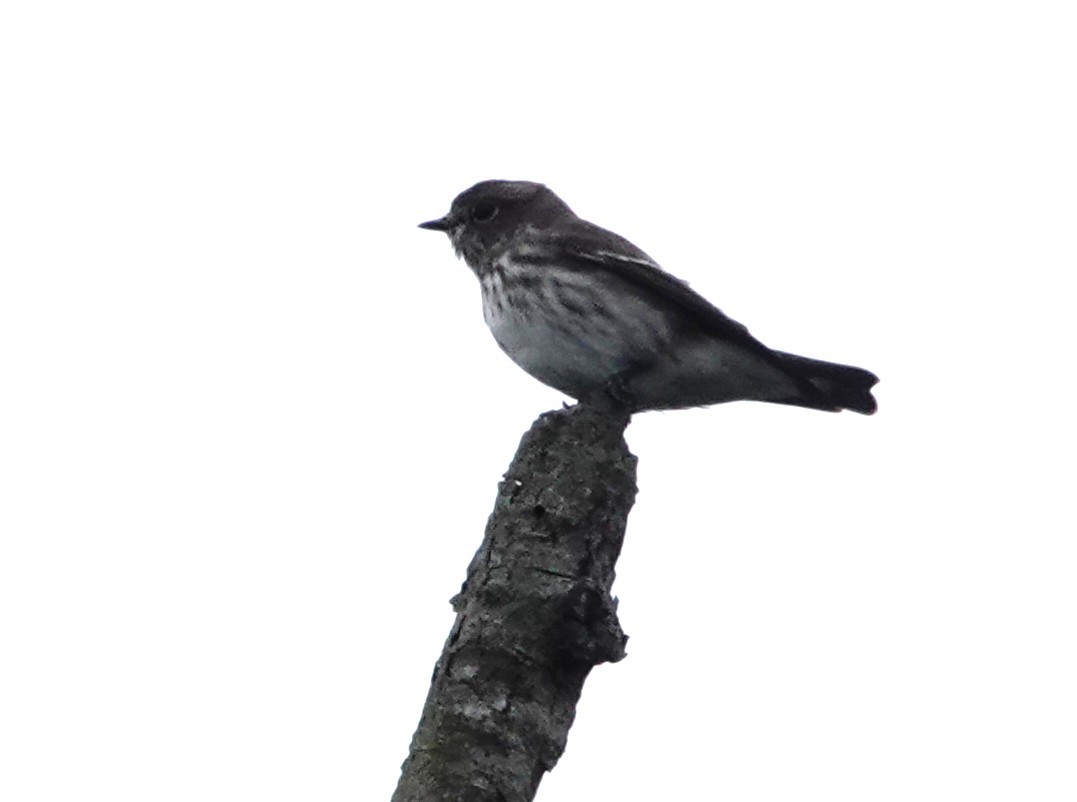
[[533, 617]]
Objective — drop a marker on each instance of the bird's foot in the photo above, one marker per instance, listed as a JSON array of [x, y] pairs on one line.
[[613, 399]]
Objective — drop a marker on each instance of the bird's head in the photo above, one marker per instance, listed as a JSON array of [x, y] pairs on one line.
[[491, 213]]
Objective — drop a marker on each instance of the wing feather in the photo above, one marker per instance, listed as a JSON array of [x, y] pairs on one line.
[[590, 247]]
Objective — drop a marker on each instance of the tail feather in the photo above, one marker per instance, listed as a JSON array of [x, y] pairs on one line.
[[833, 387]]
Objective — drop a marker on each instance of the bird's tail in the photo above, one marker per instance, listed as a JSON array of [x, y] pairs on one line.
[[833, 387]]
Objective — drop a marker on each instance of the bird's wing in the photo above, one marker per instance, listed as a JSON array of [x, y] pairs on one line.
[[588, 246]]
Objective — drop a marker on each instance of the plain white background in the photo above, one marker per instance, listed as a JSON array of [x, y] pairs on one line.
[[252, 422]]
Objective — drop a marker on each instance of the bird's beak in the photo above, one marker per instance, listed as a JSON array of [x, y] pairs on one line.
[[441, 224]]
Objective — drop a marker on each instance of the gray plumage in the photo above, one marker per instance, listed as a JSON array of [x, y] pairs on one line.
[[587, 312]]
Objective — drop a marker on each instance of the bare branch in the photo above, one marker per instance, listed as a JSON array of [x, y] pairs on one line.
[[534, 616]]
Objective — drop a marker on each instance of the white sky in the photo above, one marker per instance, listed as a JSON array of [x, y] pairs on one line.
[[252, 422]]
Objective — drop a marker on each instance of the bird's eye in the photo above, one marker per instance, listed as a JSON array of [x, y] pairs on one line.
[[483, 212]]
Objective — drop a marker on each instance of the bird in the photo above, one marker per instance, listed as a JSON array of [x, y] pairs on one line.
[[586, 312]]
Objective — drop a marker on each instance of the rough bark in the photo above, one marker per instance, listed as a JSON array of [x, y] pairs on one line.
[[533, 617]]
